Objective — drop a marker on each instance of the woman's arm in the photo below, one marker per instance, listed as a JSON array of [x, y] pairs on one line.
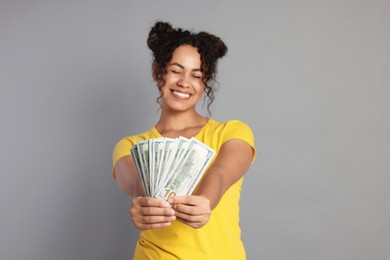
[[146, 212], [125, 174], [232, 162]]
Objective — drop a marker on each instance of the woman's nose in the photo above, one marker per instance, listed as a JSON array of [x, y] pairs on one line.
[[184, 81]]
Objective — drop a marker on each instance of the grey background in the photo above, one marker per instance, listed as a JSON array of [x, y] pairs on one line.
[[312, 79]]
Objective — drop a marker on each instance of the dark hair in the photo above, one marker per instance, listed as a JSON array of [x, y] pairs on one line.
[[163, 40]]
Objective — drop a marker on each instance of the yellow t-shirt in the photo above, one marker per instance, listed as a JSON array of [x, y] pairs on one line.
[[220, 238]]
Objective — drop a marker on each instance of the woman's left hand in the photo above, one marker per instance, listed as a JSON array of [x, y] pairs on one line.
[[193, 211]]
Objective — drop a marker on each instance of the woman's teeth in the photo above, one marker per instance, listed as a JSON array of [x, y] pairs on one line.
[[180, 94]]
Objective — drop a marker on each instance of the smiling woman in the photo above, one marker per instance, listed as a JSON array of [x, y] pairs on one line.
[[183, 81], [163, 40], [204, 225]]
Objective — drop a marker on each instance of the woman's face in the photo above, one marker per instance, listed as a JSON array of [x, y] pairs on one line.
[[184, 80]]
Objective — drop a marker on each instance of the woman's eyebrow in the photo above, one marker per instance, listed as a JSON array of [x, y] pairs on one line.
[[177, 64], [182, 67]]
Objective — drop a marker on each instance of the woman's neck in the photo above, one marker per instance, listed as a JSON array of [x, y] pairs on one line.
[[181, 123]]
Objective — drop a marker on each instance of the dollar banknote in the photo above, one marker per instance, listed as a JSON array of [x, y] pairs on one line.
[[166, 156], [182, 144], [188, 171], [143, 153], [170, 166], [137, 162], [155, 150]]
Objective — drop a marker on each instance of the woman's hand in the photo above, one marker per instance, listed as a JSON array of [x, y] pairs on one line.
[[148, 213], [193, 211]]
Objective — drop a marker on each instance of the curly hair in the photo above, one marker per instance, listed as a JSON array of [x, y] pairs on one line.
[[163, 40]]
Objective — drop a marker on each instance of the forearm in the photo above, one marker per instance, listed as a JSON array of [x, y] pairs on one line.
[[231, 164], [132, 188], [212, 187], [127, 178]]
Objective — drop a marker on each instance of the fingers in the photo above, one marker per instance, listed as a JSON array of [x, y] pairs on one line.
[[195, 225], [148, 213], [191, 210], [191, 215], [192, 218], [144, 227], [189, 200], [191, 205], [156, 223], [147, 206], [150, 202]]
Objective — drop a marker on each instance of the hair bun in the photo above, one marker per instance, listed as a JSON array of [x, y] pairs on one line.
[[216, 44], [159, 33]]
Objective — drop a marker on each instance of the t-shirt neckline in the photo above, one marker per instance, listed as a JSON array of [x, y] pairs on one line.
[[157, 133]]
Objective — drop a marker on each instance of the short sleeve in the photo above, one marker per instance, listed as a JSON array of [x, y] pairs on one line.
[[121, 149], [236, 129]]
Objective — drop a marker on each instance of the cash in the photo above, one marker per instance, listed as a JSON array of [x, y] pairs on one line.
[[170, 166]]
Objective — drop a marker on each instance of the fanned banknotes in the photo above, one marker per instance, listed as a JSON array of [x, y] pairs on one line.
[[168, 167]]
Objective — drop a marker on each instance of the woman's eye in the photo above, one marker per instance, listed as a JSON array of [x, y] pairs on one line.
[[175, 71], [197, 77]]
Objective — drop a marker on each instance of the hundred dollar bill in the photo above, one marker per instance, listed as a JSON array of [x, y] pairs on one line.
[[155, 149], [188, 171], [143, 153], [134, 154], [151, 166], [182, 144], [169, 148]]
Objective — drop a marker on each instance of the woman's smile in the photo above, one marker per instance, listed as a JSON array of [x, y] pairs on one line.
[[180, 95]]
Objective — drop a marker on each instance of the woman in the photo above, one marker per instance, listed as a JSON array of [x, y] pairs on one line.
[[204, 225]]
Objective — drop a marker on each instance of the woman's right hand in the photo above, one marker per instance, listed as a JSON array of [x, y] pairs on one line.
[[148, 213]]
